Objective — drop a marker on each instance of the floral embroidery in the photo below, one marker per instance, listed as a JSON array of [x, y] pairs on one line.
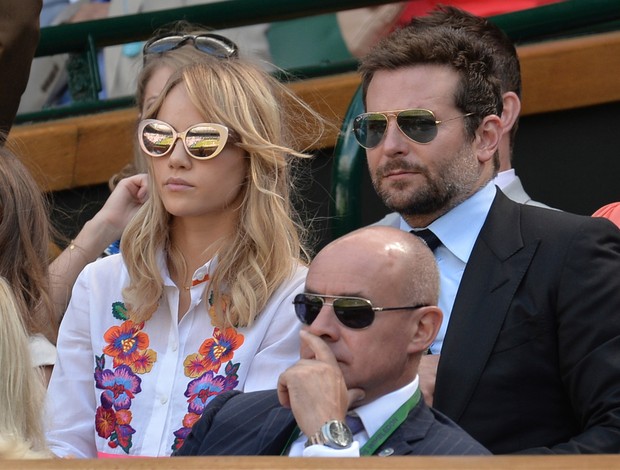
[[120, 387], [127, 345], [144, 362], [202, 368], [126, 342], [112, 418], [221, 347]]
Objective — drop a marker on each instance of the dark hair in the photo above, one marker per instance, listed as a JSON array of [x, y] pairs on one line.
[[478, 91], [24, 243], [505, 58]]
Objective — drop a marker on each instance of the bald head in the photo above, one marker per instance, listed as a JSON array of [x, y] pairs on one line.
[[383, 259]]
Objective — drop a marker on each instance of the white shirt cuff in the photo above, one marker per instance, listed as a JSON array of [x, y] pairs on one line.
[[324, 451]]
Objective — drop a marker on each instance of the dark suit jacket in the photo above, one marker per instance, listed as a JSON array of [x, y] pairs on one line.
[[254, 423], [531, 357]]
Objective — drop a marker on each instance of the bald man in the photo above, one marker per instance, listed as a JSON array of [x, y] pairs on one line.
[[369, 313]]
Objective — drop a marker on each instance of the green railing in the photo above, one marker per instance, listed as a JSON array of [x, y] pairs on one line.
[[82, 40]]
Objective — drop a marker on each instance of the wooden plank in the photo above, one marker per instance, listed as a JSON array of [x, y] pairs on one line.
[[557, 75], [76, 152], [48, 150], [570, 73], [513, 462], [330, 96], [105, 145]]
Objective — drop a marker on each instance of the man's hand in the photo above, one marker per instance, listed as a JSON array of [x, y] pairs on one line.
[[428, 374], [314, 389]]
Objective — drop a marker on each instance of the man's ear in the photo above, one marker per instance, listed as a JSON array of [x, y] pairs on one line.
[[510, 113], [428, 323], [487, 139]]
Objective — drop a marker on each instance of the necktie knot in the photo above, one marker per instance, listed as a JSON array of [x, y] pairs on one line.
[[355, 424], [429, 238]]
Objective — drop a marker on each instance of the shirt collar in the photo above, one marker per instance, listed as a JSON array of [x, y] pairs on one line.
[[504, 178], [458, 229], [374, 414], [165, 274]]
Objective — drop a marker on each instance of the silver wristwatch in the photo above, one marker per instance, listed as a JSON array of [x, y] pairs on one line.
[[335, 434]]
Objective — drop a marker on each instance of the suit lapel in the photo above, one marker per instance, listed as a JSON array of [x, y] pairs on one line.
[[414, 429], [495, 269]]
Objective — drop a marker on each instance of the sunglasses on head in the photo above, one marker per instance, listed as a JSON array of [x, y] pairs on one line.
[[209, 43], [352, 312], [419, 125], [202, 141]]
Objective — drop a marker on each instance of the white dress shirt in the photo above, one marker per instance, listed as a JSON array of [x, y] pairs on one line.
[[458, 231], [373, 416], [135, 390], [42, 351]]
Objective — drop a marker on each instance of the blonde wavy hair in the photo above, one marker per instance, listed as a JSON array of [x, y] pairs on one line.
[[269, 240], [21, 386]]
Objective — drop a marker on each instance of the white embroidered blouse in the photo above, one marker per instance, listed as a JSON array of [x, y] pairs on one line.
[[135, 389]]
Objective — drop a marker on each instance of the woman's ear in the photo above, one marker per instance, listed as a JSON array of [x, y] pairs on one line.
[[428, 322]]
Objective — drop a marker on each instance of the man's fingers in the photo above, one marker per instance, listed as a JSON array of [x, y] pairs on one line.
[[355, 395], [318, 347]]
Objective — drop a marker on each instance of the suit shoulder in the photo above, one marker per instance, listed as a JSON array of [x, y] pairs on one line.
[[549, 220], [542, 222]]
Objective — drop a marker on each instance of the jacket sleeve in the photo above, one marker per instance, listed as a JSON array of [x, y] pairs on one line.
[[588, 330], [199, 431], [19, 36]]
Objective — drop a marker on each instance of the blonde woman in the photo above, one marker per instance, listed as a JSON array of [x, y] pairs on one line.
[[200, 299], [21, 386]]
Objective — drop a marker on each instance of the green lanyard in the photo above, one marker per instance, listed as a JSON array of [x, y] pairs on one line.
[[378, 438], [393, 422]]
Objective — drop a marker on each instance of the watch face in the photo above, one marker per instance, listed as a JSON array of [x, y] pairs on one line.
[[340, 434]]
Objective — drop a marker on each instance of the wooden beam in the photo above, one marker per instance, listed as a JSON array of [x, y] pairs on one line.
[[570, 73], [505, 462]]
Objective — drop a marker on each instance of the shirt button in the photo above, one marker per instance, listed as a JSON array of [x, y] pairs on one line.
[[164, 400], [174, 347]]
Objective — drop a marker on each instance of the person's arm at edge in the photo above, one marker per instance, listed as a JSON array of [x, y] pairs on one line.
[[96, 235]]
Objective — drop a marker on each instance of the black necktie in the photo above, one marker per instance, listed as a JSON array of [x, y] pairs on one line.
[[429, 238]]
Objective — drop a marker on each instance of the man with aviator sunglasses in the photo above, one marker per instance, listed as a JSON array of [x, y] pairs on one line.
[[530, 296], [369, 315]]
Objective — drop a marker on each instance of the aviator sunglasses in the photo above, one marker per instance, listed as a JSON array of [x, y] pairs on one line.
[[352, 312], [419, 125], [201, 141], [209, 43]]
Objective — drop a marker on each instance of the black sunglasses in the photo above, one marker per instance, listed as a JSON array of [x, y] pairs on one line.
[[419, 125], [209, 43], [352, 312]]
